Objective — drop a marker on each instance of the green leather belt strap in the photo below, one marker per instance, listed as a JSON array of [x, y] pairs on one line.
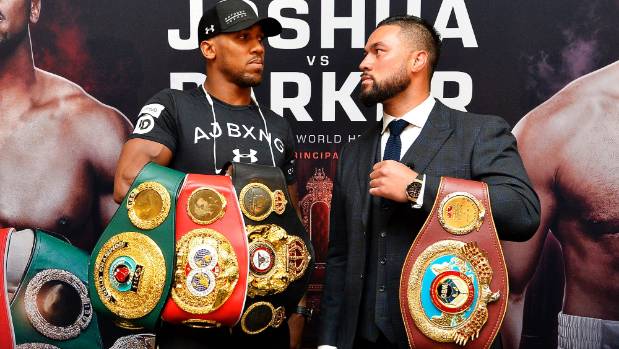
[[57, 273], [132, 264], [265, 202]]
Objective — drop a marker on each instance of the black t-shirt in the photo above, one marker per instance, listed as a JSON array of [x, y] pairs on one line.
[[184, 122]]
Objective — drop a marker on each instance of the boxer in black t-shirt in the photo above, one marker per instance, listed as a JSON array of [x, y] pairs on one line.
[[198, 131]]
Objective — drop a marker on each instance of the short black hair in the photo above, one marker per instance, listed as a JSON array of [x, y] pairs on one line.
[[420, 32]]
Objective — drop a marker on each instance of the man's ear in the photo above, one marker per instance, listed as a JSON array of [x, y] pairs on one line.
[[208, 50], [419, 61], [35, 10]]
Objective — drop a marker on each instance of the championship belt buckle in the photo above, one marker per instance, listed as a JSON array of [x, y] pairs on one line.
[[206, 205], [130, 275], [48, 285], [148, 205], [450, 286], [210, 274], [51, 307], [454, 274], [261, 315], [276, 259], [460, 213], [257, 201], [206, 272]]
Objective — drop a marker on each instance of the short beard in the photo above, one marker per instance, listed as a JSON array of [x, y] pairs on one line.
[[247, 80], [9, 43], [380, 92]]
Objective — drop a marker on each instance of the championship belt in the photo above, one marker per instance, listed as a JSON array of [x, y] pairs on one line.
[[131, 266], [210, 279], [453, 287], [6, 325], [51, 308], [280, 252]]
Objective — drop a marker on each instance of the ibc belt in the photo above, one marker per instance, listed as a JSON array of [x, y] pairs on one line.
[[280, 252], [6, 325], [132, 264], [210, 279], [51, 308], [453, 287]]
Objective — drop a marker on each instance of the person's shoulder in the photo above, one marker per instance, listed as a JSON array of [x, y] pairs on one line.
[[466, 119], [71, 103], [273, 118], [170, 96]]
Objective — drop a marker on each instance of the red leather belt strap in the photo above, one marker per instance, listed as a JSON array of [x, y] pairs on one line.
[[6, 326], [231, 226]]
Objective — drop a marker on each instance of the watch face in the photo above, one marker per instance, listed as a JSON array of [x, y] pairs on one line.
[[413, 190]]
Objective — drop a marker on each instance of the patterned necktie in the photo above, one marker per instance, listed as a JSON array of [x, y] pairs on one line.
[[394, 145]]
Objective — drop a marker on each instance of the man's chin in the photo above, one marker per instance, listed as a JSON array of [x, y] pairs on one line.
[[368, 99]]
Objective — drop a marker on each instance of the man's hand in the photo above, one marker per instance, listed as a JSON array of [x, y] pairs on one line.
[[389, 180]]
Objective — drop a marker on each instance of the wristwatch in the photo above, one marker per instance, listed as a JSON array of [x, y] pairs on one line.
[[305, 311], [414, 189]]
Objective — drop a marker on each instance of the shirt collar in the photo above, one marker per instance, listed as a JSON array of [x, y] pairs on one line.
[[416, 116]]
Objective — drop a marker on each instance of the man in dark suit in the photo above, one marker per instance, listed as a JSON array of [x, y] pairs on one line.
[[388, 179]]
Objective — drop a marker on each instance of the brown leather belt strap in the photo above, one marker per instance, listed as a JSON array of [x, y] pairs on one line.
[[437, 301]]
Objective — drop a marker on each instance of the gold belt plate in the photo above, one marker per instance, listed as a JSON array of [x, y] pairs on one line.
[[207, 271], [130, 275], [257, 201]]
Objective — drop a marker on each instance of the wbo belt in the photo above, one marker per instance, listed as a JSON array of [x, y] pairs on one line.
[[51, 306], [210, 279], [280, 252], [453, 287], [131, 266]]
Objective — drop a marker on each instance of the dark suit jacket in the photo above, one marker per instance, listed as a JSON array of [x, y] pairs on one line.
[[453, 144]]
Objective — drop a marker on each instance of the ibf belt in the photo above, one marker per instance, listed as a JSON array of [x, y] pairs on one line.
[[210, 279], [6, 325], [132, 264], [280, 252], [51, 307], [453, 287]]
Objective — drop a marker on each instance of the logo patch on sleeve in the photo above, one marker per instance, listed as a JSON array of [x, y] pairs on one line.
[[144, 124], [154, 109]]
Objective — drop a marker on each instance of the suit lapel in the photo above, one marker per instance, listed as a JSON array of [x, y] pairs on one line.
[[432, 137], [367, 154]]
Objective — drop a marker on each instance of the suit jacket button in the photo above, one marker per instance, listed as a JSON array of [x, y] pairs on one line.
[[381, 288], [383, 260], [361, 276], [383, 234]]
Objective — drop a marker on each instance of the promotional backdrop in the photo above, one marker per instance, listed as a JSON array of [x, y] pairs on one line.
[[498, 57]]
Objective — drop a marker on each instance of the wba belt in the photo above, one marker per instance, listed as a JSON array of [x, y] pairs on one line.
[[51, 308], [6, 325], [280, 252], [453, 287], [132, 264], [210, 279]]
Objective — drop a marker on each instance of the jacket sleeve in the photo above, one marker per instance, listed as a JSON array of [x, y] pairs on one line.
[[495, 161], [331, 302]]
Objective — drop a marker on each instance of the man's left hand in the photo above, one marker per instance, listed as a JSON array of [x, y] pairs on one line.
[[389, 180], [296, 322]]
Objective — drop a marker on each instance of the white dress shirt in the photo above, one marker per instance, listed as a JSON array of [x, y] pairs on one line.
[[416, 118]]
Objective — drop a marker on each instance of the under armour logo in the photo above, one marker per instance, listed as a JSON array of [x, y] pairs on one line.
[[210, 29], [251, 156]]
